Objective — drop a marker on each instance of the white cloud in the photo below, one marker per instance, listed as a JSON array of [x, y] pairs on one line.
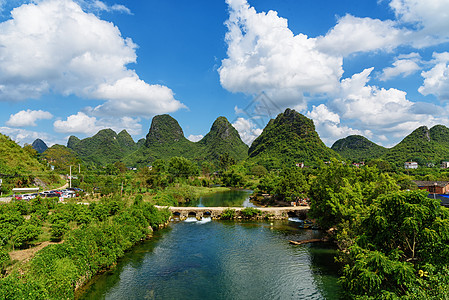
[[436, 80], [195, 138], [84, 124], [328, 125], [429, 17], [371, 105], [54, 46], [28, 118], [264, 55], [22, 136], [353, 34], [247, 130], [79, 123], [121, 101], [101, 6], [401, 67]]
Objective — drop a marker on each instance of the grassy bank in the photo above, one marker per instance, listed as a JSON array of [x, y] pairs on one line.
[[101, 233]]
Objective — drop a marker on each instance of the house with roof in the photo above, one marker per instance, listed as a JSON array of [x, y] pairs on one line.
[[411, 165], [433, 187]]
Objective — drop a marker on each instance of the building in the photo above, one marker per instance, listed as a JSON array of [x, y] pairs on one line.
[[445, 165], [411, 165], [433, 187]]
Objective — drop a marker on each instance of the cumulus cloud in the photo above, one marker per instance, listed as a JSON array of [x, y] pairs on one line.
[[84, 124], [55, 46], [372, 105], [247, 130], [404, 66], [328, 125], [427, 17], [136, 103], [436, 80], [195, 138], [79, 123], [22, 136], [28, 117], [264, 55], [353, 34]]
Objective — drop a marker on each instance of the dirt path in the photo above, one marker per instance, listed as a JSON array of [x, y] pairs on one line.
[[66, 185], [26, 254]]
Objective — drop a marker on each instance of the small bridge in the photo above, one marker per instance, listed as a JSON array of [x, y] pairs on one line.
[[277, 213]]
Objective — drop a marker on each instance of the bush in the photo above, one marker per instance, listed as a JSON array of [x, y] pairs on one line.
[[25, 234], [228, 214], [249, 212], [58, 230]]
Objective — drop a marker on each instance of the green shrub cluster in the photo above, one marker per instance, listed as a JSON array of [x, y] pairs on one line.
[[58, 269], [250, 212]]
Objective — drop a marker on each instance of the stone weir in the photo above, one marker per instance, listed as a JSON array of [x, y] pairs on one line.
[[276, 213]]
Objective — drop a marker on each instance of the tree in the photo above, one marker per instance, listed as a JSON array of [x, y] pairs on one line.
[[403, 238], [225, 161], [58, 229], [180, 167], [25, 234], [259, 170], [340, 192]]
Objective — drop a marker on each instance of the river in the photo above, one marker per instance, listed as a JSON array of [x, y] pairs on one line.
[[223, 260]]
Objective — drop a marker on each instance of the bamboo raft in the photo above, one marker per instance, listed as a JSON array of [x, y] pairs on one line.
[[308, 241]]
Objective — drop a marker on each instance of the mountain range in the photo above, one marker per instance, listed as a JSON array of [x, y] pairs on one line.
[[288, 139]]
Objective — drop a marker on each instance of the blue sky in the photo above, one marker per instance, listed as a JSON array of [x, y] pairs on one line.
[[73, 67]]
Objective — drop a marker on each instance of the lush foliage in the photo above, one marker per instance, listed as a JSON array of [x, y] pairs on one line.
[[105, 147], [393, 243], [290, 138], [105, 230], [423, 146], [166, 140], [358, 148]]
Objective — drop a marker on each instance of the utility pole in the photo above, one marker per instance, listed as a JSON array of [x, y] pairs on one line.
[[70, 177], [79, 168]]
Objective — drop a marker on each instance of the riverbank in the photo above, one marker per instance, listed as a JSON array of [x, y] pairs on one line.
[[55, 271]]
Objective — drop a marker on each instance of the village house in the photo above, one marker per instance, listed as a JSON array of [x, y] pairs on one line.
[[433, 187], [445, 165], [411, 165]]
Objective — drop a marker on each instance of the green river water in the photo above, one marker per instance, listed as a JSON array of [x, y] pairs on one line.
[[223, 260]]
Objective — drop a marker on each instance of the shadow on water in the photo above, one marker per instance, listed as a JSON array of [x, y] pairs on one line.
[[134, 258], [326, 269]]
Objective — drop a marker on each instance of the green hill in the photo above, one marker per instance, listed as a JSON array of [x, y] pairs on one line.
[[15, 159], [61, 157], [223, 138], [165, 139], [290, 138], [358, 148], [39, 145], [422, 145], [103, 148]]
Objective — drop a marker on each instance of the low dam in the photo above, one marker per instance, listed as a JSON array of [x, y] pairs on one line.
[[277, 213]]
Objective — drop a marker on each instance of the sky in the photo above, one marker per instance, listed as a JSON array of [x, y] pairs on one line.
[[377, 68]]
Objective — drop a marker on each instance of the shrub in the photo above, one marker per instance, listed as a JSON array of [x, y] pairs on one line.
[[228, 214], [249, 212]]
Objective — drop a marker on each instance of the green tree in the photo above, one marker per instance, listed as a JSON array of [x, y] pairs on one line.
[[180, 167], [25, 234], [403, 239], [225, 161]]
